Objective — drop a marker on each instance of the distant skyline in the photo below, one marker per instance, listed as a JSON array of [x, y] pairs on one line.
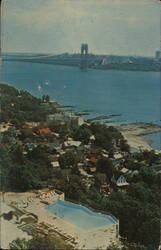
[[119, 27]]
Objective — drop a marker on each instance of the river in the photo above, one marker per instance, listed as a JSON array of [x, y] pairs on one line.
[[134, 96]]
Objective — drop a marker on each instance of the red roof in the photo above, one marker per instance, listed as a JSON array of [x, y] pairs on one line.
[[93, 159], [93, 169], [43, 131]]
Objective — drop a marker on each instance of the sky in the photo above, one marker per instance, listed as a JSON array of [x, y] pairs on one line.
[[121, 27]]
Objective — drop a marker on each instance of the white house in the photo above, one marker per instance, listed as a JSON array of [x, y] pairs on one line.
[[121, 181]]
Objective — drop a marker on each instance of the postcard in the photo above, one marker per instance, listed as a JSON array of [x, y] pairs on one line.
[[80, 124]]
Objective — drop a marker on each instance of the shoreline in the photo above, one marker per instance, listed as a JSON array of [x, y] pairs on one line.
[[134, 134], [138, 69]]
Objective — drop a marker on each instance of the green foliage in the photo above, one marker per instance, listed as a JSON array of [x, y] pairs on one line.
[[138, 208], [63, 129], [113, 247], [149, 157], [124, 146], [40, 242], [127, 246], [46, 98], [74, 188], [20, 174], [134, 246], [138, 211], [104, 165], [147, 175], [82, 134], [68, 159], [19, 106], [100, 179], [19, 244], [105, 137]]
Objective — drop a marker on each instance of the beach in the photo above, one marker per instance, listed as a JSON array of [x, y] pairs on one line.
[[134, 134]]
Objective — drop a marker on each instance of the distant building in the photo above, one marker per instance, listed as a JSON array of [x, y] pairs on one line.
[[77, 120], [158, 54], [84, 56], [104, 61], [73, 119], [60, 117]]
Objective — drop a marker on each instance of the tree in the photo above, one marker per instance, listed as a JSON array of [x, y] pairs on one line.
[[127, 246], [103, 137], [124, 146], [104, 165], [68, 159], [150, 156], [82, 134], [46, 98], [100, 179], [149, 233], [148, 175], [19, 244], [23, 177], [113, 247], [74, 187], [40, 242]]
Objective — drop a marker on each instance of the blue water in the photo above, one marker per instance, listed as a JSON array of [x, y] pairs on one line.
[[155, 140], [80, 216], [133, 95]]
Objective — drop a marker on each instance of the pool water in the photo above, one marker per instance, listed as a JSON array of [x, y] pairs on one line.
[[79, 215]]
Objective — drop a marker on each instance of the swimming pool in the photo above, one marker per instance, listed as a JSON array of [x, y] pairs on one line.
[[80, 216]]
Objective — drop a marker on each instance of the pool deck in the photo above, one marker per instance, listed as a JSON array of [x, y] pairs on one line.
[[82, 239]]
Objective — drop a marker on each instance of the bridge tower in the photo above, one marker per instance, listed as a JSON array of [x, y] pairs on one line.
[[84, 56]]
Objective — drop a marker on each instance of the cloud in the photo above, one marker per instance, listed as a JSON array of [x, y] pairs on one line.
[[57, 12], [105, 24], [46, 15]]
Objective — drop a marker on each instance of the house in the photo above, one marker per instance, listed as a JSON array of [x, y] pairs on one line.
[[43, 131], [60, 117], [84, 173], [92, 164], [117, 156], [92, 160], [121, 181], [71, 143], [77, 120], [54, 157], [95, 152], [134, 173], [66, 117], [93, 169], [4, 126], [55, 134], [124, 170], [55, 164], [32, 124], [105, 155]]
